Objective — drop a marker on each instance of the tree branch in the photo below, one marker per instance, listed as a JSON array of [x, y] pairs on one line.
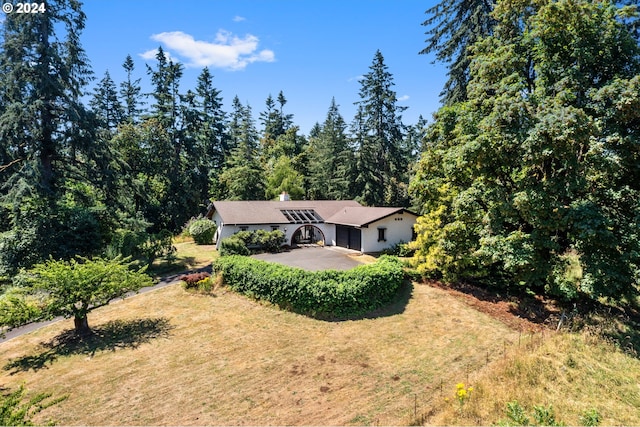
[[7, 166]]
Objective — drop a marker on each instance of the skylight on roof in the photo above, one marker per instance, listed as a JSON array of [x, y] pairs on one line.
[[301, 216]]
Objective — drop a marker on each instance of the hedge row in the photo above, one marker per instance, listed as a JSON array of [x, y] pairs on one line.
[[324, 294]]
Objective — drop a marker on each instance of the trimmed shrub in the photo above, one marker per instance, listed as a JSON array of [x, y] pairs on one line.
[[326, 293], [233, 246], [246, 242], [269, 241], [202, 230]]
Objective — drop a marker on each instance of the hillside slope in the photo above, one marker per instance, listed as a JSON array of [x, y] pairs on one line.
[[173, 358]]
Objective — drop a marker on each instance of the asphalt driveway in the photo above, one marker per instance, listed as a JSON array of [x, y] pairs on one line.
[[314, 258]]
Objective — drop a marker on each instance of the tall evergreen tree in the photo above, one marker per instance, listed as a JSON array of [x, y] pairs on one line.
[[130, 90], [106, 105], [243, 177], [166, 81], [212, 139], [330, 158], [49, 137], [382, 162], [43, 77], [269, 120], [453, 27]]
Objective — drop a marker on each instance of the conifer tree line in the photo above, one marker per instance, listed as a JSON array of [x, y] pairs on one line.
[[85, 161], [527, 178]]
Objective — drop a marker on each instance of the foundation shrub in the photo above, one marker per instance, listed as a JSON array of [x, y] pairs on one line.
[[323, 294], [246, 242], [233, 246]]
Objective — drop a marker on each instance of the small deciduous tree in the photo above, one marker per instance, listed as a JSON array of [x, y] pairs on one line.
[[70, 289]]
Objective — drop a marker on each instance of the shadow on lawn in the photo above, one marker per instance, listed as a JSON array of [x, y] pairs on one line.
[[117, 334], [396, 306]]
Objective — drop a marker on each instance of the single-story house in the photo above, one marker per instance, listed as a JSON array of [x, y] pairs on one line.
[[343, 223]]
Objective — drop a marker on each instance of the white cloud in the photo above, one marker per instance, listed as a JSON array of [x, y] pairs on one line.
[[151, 54], [226, 51], [238, 18], [355, 79], [403, 98]]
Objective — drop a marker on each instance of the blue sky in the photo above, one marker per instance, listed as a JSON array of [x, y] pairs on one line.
[[310, 50]]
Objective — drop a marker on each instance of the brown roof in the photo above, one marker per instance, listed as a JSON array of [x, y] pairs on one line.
[[361, 216], [270, 212]]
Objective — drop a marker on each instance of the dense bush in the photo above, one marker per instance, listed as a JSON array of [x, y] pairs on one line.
[[244, 242], [401, 249], [141, 245], [327, 293], [201, 281], [192, 279], [202, 230], [58, 231], [233, 246], [269, 241]]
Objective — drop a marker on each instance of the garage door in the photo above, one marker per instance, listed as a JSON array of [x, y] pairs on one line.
[[348, 237]]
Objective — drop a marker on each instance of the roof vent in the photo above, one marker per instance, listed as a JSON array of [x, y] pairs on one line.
[[284, 197]]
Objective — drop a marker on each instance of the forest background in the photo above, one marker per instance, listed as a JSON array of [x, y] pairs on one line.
[[527, 178]]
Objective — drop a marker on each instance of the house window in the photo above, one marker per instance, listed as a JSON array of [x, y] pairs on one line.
[[244, 227], [275, 227], [382, 234]]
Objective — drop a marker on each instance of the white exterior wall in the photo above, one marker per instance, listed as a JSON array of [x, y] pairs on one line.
[[225, 230], [399, 228]]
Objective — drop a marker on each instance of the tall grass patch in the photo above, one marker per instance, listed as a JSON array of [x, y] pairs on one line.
[[578, 376]]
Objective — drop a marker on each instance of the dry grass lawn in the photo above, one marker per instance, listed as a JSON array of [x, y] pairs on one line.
[[188, 256], [169, 357]]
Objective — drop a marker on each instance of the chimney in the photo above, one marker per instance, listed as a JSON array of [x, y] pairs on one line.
[[284, 197]]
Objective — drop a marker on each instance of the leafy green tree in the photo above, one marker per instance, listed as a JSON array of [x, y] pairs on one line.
[[382, 161], [537, 171], [285, 178], [70, 289], [453, 27]]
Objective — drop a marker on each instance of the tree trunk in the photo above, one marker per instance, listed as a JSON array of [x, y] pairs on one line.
[[82, 326]]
